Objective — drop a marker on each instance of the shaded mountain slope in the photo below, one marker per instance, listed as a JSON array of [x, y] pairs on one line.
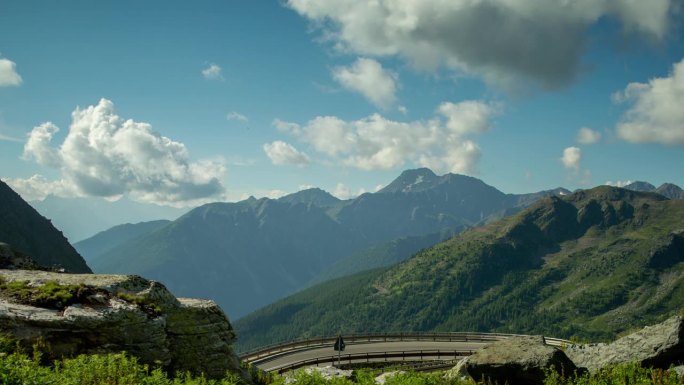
[[30, 233], [94, 247], [239, 254], [590, 265]]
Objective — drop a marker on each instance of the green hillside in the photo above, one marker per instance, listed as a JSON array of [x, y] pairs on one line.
[[588, 265]]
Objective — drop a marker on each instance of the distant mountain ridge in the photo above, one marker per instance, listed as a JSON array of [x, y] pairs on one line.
[[590, 264], [28, 232], [103, 242], [668, 190], [269, 248], [314, 196]]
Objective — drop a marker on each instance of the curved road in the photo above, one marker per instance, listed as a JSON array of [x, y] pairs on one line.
[[277, 361]]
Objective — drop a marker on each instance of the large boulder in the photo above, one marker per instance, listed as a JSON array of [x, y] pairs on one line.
[[70, 314], [658, 346], [518, 360]]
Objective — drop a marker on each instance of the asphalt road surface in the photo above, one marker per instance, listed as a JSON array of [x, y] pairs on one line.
[[397, 346]]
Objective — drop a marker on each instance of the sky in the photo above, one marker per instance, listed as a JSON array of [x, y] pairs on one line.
[[176, 103]]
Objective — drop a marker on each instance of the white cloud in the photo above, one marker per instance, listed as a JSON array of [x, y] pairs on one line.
[[8, 73], [586, 135], [376, 142], [656, 114], [9, 138], [275, 194], [367, 77], [282, 153], [468, 117], [343, 192], [618, 183], [213, 72], [38, 146], [503, 41], [572, 158], [106, 156], [38, 188], [402, 109], [236, 116]]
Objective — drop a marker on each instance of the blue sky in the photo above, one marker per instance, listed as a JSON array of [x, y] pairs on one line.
[[179, 103]]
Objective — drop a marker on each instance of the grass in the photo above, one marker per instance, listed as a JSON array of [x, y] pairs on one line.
[[51, 294], [144, 303], [18, 368]]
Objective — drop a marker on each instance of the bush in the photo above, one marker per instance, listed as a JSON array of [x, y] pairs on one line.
[[632, 374]]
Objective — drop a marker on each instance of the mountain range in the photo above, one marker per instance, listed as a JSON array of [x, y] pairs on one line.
[[668, 190], [587, 265], [28, 232], [265, 248]]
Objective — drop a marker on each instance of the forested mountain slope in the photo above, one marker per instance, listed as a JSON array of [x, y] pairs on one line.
[[590, 265]]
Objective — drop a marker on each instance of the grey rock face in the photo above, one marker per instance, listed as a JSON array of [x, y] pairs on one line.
[[658, 346], [518, 360], [122, 313], [460, 371]]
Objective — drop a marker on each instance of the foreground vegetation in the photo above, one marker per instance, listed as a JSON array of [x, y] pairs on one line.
[[119, 369]]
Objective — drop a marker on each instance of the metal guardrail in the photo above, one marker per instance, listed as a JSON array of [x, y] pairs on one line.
[[367, 357], [263, 353]]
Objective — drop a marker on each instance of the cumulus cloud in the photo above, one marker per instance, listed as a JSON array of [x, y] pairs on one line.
[[236, 116], [282, 153], [343, 192], [376, 142], [213, 72], [367, 77], [38, 146], [572, 158], [618, 183], [38, 188], [503, 41], [105, 155], [8, 73], [586, 135], [655, 114]]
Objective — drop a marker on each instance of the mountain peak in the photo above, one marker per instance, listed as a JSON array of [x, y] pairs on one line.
[[314, 196], [671, 191], [640, 186], [410, 180]]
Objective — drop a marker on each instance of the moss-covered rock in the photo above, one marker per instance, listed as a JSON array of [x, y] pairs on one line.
[[70, 314]]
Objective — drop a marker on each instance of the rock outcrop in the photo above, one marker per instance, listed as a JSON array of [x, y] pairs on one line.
[[518, 360], [658, 346], [71, 314]]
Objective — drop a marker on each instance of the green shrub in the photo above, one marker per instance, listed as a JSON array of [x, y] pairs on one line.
[[632, 374], [142, 302], [110, 369]]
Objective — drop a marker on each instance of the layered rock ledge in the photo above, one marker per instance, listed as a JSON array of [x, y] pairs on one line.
[[71, 314], [657, 346]]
